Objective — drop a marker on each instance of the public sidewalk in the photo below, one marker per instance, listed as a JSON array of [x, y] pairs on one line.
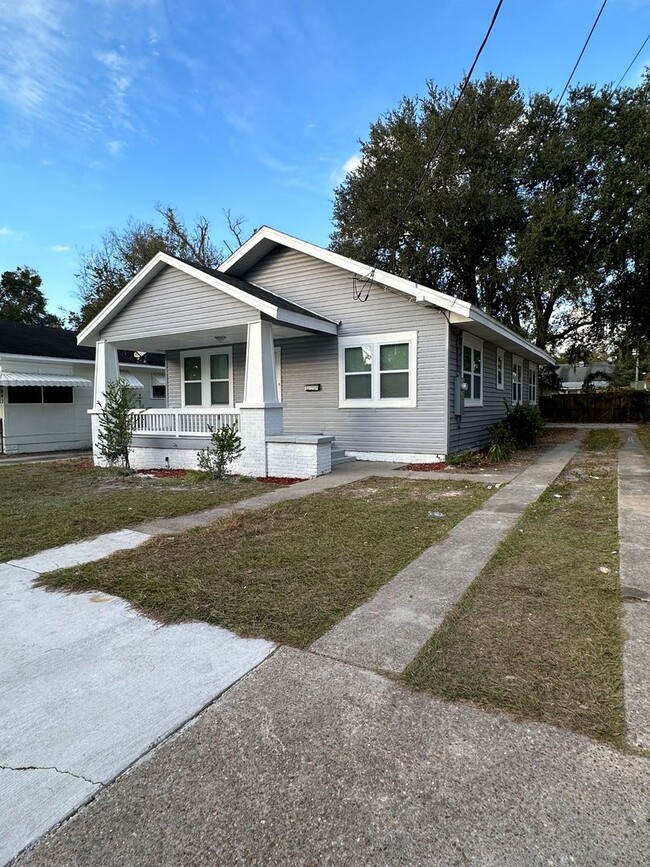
[[311, 761], [634, 541], [388, 631]]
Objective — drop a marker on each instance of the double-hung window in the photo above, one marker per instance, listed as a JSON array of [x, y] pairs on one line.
[[501, 368], [473, 370], [207, 378], [517, 379], [378, 370], [532, 383]]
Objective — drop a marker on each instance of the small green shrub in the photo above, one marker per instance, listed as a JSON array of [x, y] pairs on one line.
[[225, 446], [502, 442], [467, 457], [116, 424], [524, 423]]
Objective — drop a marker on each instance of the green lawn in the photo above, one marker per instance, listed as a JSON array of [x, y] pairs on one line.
[[288, 572], [51, 503], [539, 633]]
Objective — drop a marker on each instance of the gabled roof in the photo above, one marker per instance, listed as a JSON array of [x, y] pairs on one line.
[[268, 303], [40, 341], [458, 312]]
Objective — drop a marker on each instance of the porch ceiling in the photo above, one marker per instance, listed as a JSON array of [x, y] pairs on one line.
[[200, 339]]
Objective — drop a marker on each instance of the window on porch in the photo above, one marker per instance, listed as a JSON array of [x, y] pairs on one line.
[[207, 378]]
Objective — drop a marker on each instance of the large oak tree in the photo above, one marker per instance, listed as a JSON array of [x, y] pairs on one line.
[[536, 212]]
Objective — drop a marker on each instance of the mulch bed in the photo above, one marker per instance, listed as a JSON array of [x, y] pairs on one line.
[[425, 468], [179, 474], [163, 474], [279, 480]]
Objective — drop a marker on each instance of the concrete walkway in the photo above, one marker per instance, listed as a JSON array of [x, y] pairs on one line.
[[39, 457], [634, 536], [311, 761], [388, 631]]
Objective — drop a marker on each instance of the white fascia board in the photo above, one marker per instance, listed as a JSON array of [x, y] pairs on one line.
[[15, 356], [359, 269], [88, 336], [302, 320], [527, 348]]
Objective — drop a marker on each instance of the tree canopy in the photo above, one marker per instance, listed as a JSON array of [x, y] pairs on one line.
[[21, 299], [107, 268], [538, 213]]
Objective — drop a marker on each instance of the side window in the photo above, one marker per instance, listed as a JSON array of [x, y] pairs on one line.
[[473, 370], [517, 378], [532, 383], [501, 366]]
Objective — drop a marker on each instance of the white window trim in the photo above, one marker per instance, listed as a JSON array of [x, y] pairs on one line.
[[501, 355], [205, 375], [474, 343], [377, 340], [533, 369], [517, 361]]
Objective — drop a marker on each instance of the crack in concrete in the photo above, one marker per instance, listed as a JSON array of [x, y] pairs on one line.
[[49, 768]]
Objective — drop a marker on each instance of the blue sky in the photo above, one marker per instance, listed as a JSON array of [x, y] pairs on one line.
[[109, 106]]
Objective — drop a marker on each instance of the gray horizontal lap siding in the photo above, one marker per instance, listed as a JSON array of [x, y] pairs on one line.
[[470, 430], [327, 290], [173, 303]]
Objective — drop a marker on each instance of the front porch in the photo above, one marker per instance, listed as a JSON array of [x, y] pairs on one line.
[[171, 438], [247, 367]]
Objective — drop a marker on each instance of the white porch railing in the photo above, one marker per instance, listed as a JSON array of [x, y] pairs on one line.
[[188, 422]]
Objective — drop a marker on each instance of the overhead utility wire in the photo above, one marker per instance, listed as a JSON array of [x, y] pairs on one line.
[[584, 48], [368, 280], [632, 62]]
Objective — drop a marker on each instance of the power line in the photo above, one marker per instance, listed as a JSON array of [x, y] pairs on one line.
[[362, 294], [584, 48], [632, 62], [464, 85]]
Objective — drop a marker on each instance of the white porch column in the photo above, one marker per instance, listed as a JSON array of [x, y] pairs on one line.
[[260, 414], [106, 370]]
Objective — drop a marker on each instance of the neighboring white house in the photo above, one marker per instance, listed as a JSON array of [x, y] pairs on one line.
[[313, 355], [46, 388]]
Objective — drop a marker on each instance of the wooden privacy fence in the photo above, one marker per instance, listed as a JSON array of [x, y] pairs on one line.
[[622, 406]]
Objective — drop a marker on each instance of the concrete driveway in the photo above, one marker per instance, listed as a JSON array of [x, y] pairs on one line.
[[88, 687]]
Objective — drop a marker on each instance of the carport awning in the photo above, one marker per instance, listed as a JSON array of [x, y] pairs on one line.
[[131, 380], [43, 379]]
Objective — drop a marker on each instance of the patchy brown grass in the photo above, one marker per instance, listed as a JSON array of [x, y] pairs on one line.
[[51, 503], [538, 634], [288, 572], [548, 438]]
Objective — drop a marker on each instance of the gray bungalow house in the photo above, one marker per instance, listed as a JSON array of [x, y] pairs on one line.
[[313, 355]]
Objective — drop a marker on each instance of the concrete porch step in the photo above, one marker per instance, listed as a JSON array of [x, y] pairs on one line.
[[339, 457]]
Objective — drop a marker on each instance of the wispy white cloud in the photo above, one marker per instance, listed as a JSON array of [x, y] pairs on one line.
[[81, 73], [277, 165], [8, 232], [60, 248], [114, 147], [349, 167]]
